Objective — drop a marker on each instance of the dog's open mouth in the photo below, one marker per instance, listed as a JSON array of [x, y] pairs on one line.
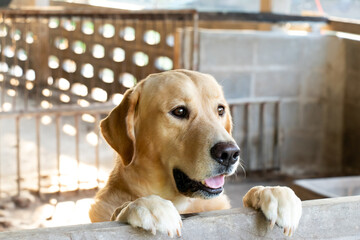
[[207, 188]]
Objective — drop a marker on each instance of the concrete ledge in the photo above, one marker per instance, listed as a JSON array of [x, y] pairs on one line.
[[336, 218]]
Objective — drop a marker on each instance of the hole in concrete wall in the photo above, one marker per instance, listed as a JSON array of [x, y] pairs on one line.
[[163, 63], [99, 94], [46, 120], [4, 67], [69, 66], [92, 138], [128, 34], [118, 54], [6, 107], [87, 27], [9, 51], [30, 75], [29, 85], [16, 35], [170, 40], [63, 84], [127, 80], [50, 80], [88, 118], [45, 104], [11, 92], [29, 38], [53, 22], [141, 59], [15, 82], [21, 55], [46, 92], [87, 70], [68, 24], [107, 30], [61, 43], [106, 75], [3, 30], [69, 129], [98, 51], [64, 98], [53, 62], [83, 103], [117, 98], [152, 37], [79, 89], [16, 71], [78, 47]]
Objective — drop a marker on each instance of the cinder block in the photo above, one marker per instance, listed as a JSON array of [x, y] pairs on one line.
[[226, 48], [334, 117], [352, 117], [322, 52], [235, 84], [302, 152], [313, 115], [289, 115], [277, 84], [352, 54], [279, 49], [352, 87], [313, 84]]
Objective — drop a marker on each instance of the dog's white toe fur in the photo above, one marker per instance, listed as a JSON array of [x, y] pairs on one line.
[[152, 213], [280, 205]]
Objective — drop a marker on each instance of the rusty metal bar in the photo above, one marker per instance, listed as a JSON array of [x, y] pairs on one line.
[[77, 152], [57, 122], [38, 152], [27, 50], [276, 155], [64, 111], [195, 45], [3, 43], [98, 12], [18, 160], [246, 132], [15, 63], [97, 162], [261, 159]]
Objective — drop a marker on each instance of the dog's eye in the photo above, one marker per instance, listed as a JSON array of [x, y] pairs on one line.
[[180, 112], [221, 110]]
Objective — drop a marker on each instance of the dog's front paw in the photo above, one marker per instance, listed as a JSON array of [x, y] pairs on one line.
[[152, 213], [280, 205]]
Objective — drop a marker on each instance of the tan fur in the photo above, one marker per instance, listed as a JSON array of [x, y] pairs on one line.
[[150, 143]]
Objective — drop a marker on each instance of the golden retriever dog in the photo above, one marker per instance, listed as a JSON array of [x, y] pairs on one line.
[[172, 135]]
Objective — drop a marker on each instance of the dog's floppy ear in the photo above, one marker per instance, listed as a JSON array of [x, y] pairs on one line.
[[228, 123], [118, 127]]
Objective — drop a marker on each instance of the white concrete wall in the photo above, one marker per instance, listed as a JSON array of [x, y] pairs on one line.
[[336, 218], [306, 72]]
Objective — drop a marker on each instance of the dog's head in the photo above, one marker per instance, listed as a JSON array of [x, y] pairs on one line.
[[179, 122]]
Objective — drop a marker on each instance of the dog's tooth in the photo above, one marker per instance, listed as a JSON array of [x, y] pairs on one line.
[[203, 182]]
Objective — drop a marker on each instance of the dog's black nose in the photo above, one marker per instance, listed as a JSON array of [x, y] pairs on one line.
[[225, 153]]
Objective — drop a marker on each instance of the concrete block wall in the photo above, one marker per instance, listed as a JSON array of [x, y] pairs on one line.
[[351, 145], [306, 72]]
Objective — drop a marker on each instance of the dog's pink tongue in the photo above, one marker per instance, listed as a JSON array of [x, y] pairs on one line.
[[215, 182]]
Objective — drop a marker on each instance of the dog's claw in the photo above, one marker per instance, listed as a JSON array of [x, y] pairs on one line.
[[272, 223], [178, 231]]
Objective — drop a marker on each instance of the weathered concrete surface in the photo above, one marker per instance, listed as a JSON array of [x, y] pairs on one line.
[[336, 218]]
